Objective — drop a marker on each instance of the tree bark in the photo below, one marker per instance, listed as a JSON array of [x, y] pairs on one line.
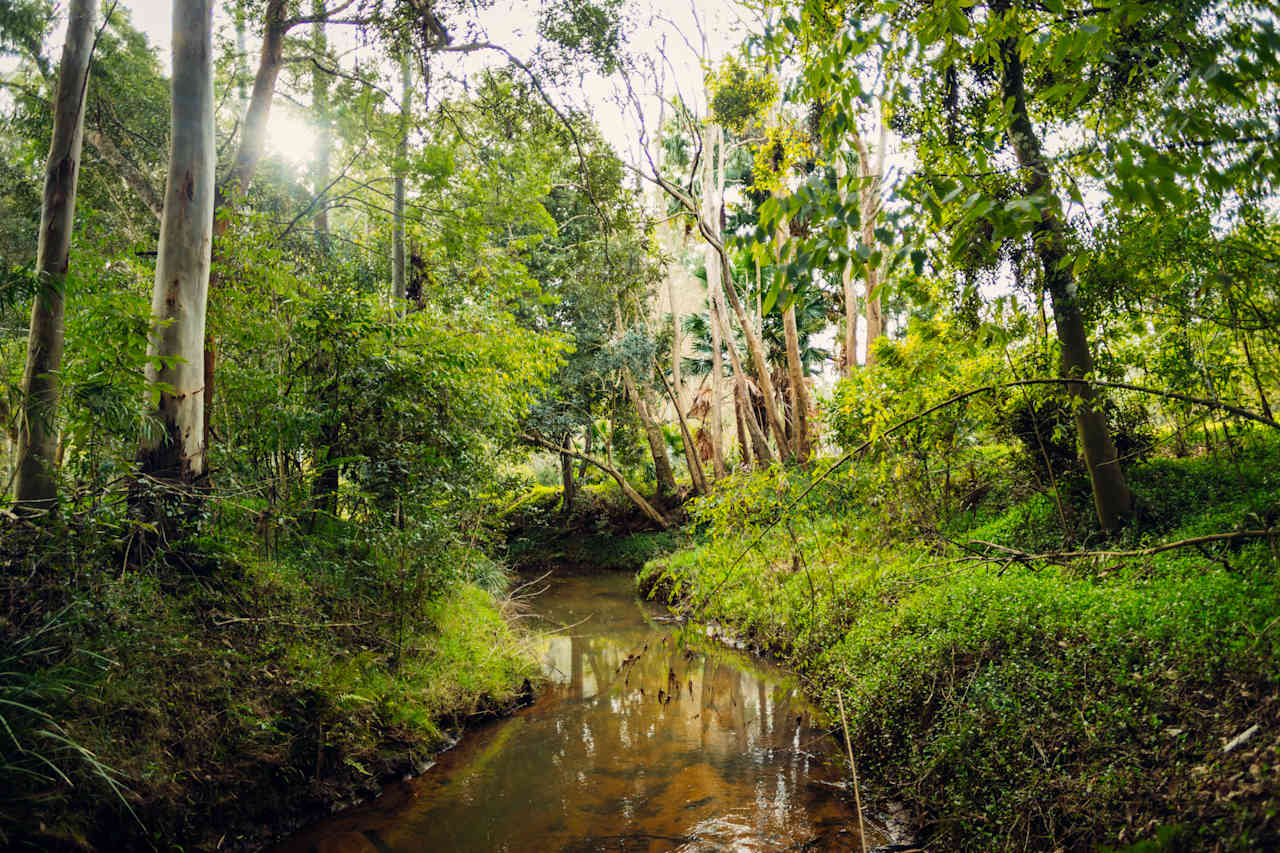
[[849, 293], [179, 298], [871, 172], [677, 343], [324, 130], [663, 473], [759, 442], [568, 486], [754, 345], [799, 392], [711, 138], [36, 484], [1111, 497], [795, 367], [696, 474], [398, 285]]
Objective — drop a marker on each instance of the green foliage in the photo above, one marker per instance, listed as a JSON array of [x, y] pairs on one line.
[[1016, 705], [739, 95]]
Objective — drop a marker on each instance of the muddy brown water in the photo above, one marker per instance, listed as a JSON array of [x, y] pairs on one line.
[[646, 739]]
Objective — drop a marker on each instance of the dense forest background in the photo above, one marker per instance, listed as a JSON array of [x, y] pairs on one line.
[[930, 345]]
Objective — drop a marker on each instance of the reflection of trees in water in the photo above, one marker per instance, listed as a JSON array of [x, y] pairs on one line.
[[653, 746]]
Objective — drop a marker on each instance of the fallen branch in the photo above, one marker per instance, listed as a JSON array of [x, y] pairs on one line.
[[1066, 556], [627, 489], [853, 768]]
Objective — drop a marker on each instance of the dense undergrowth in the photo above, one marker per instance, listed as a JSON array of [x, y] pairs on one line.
[[218, 696], [1012, 702]]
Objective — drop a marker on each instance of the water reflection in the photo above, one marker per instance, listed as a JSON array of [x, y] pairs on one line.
[[645, 742]]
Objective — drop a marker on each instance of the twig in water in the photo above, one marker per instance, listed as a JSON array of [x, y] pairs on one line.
[[853, 767]]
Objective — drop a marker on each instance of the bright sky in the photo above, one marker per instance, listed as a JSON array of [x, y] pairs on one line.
[[671, 33]]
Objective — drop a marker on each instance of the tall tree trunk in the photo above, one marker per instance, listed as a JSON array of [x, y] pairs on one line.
[[871, 173], [398, 285], [36, 482], [324, 130], [253, 140], [696, 475], [754, 345], [677, 343], [711, 138], [799, 392], [178, 301], [1111, 497], [744, 444], [324, 489], [665, 476], [848, 290], [759, 442], [568, 488]]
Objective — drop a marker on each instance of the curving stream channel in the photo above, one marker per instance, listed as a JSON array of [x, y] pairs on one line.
[[645, 740]]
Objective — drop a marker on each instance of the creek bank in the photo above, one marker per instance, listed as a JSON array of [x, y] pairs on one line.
[[1028, 706], [646, 737], [238, 697]]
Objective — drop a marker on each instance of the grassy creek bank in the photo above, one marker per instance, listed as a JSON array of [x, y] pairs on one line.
[[227, 695], [1000, 701]]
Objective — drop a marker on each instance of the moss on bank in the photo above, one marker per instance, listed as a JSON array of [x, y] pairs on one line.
[[1016, 704], [236, 695]]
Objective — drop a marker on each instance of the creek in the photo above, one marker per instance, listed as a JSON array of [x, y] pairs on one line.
[[646, 738]]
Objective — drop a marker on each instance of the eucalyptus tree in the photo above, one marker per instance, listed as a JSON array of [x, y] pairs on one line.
[[174, 453], [35, 485]]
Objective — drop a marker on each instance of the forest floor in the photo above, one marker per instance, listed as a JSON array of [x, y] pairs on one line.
[[231, 695], [1006, 702]]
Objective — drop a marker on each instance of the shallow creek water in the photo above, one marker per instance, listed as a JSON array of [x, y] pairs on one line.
[[643, 741]]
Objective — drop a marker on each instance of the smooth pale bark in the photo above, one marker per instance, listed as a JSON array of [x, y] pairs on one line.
[[253, 140], [871, 172], [799, 392], [324, 130], [849, 292], [175, 452], [754, 345], [711, 138], [35, 481], [398, 285], [1111, 496], [663, 473], [677, 342]]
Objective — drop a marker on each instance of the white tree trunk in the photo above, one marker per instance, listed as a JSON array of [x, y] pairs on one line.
[[36, 478], [174, 451], [398, 284], [711, 136], [848, 286], [324, 130]]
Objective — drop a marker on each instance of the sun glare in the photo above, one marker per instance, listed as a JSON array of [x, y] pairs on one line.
[[291, 136]]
